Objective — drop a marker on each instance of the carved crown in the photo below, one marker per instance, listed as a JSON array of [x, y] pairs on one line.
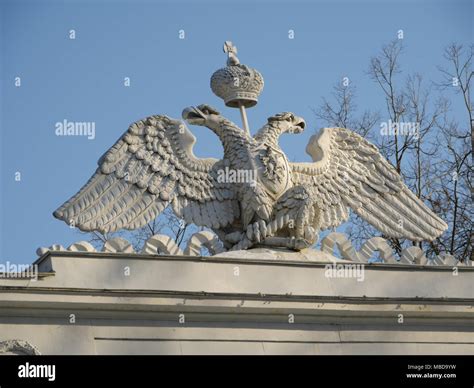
[[237, 83]]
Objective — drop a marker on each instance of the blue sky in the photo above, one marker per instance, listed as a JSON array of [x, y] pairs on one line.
[[82, 80]]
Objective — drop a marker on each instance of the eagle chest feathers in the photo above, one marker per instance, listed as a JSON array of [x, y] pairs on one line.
[[261, 174]]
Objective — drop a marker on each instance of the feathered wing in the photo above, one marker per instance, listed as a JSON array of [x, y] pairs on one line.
[[348, 171], [150, 167]]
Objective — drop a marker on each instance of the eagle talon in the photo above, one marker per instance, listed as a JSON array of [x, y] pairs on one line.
[[257, 231], [234, 237], [299, 244]]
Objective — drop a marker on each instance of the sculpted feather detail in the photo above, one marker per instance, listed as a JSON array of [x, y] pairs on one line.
[[349, 172], [149, 168]]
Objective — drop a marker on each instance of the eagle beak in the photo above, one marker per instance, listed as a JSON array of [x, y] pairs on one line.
[[299, 125], [193, 116]]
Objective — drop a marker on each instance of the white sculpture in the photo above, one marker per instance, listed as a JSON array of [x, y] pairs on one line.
[[254, 195], [18, 347], [164, 245]]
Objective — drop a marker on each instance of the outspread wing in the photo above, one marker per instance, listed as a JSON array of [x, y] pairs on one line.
[[150, 167], [348, 171]]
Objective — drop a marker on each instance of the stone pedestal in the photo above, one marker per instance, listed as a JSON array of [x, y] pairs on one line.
[[241, 303]]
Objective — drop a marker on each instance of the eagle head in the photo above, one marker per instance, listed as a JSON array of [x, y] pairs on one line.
[[287, 122], [201, 115]]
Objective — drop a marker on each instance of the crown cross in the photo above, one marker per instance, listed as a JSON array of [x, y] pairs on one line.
[[231, 51]]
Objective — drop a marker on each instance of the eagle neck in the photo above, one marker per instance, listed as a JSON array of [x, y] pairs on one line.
[[269, 134], [232, 137]]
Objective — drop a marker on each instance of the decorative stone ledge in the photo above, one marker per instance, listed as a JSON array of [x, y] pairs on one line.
[[259, 301], [164, 245]]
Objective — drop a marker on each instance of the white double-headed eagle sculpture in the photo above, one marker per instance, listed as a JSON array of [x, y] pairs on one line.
[[254, 195]]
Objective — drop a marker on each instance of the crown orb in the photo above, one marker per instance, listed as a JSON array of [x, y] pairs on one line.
[[237, 84]]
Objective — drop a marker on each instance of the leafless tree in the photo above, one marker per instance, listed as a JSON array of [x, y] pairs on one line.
[[434, 158], [342, 111], [455, 192], [384, 70], [460, 76]]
